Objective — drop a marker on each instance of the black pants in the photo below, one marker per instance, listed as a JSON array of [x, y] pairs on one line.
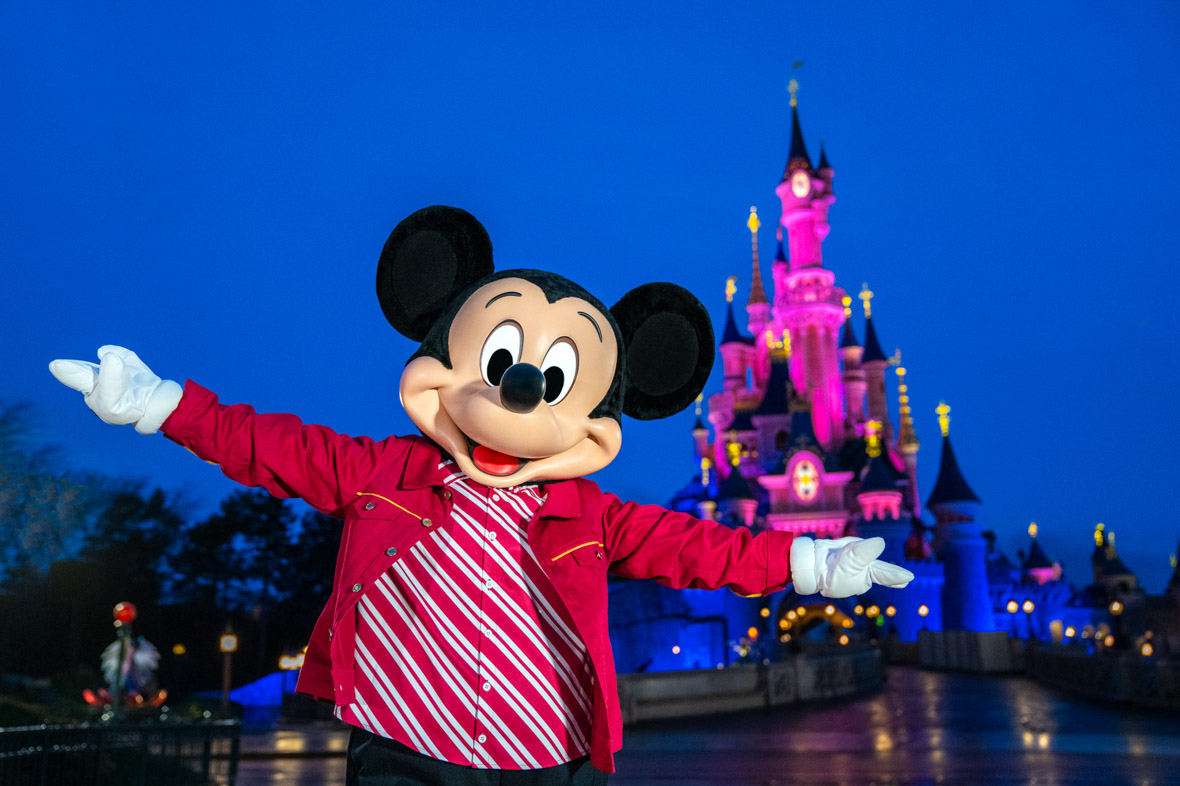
[[376, 761]]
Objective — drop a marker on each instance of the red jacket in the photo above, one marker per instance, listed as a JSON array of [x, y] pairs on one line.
[[383, 491]]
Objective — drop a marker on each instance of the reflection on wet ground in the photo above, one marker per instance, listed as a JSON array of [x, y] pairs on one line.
[[922, 728]]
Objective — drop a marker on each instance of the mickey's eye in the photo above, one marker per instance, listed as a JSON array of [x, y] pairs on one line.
[[500, 352], [560, 366]]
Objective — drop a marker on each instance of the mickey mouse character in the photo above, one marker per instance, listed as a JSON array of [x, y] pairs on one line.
[[465, 639]]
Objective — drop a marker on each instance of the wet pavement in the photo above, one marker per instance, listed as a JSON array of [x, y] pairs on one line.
[[921, 728]]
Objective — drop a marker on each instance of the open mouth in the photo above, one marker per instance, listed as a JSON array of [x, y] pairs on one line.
[[493, 462]]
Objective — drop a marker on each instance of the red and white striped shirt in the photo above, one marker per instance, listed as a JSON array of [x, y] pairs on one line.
[[464, 652]]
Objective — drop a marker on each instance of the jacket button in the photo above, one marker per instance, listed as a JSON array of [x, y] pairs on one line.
[[389, 552], [357, 587], [446, 493], [427, 522], [370, 506], [330, 633], [598, 554]]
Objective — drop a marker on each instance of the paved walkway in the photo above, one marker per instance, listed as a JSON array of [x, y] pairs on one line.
[[922, 728]]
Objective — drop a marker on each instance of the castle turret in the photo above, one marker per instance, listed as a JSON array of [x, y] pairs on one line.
[[878, 496], [854, 374], [807, 302], [735, 498], [875, 362], [1037, 567], [959, 541], [757, 307], [735, 348], [907, 440]]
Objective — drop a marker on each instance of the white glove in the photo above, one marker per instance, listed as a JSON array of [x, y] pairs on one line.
[[120, 388], [843, 567]]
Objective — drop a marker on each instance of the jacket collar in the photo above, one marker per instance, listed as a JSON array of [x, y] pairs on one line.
[[421, 470]]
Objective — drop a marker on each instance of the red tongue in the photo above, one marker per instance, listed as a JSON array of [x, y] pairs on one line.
[[494, 462]]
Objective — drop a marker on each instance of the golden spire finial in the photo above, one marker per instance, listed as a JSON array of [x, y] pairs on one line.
[[1172, 559], [752, 222], [847, 301], [730, 288], [896, 359], [700, 397], [907, 440], [1098, 531], [866, 296], [873, 436], [793, 88], [1032, 530], [944, 417], [705, 463], [787, 341]]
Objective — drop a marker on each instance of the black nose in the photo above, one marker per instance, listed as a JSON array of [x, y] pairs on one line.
[[522, 387]]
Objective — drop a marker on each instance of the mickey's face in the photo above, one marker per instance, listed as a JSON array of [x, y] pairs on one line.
[[525, 377]]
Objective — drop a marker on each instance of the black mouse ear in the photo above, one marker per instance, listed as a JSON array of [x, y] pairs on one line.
[[430, 257], [668, 344]]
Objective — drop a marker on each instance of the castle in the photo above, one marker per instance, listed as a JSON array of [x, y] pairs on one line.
[[802, 440]]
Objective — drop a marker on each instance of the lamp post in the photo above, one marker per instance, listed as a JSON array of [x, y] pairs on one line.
[[125, 613], [229, 645], [1116, 611]]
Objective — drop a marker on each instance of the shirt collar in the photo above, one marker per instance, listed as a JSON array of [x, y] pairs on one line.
[[562, 498]]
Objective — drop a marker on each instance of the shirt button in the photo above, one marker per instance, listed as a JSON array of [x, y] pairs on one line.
[[495, 498], [357, 587], [482, 738], [389, 552], [598, 554], [427, 522], [491, 536], [487, 686], [370, 506], [446, 494], [330, 633], [487, 584]]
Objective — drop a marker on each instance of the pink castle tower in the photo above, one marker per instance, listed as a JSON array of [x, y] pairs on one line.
[[807, 303]]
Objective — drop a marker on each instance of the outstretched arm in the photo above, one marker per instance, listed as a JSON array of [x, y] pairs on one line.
[[276, 451], [680, 551]]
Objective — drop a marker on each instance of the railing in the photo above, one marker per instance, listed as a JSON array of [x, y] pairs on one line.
[[146, 754], [674, 694], [1148, 682]]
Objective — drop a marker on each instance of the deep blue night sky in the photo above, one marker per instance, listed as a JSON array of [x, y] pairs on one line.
[[211, 185]]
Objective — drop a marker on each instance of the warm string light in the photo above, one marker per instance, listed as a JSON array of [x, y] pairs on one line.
[[847, 301], [1098, 530], [733, 450]]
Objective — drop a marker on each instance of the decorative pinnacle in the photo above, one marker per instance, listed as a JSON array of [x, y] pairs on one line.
[[944, 417], [757, 293], [847, 301], [1098, 534], [907, 440], [705, 463], [866, 296], [793, 88], [730, 288], [1032, 530], [700, 397], [1172, 559], [895, 360], [873, 436]]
